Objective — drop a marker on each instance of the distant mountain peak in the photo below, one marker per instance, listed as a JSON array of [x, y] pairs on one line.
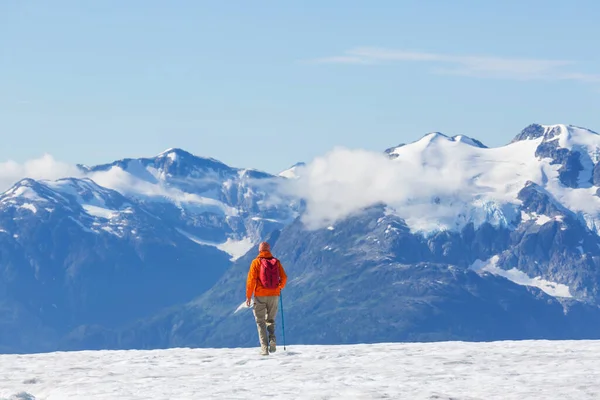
[[29, 182], [173, 160], [548, 132], [532, 131], [468, 140], [292, 172], [434, 137], [25, 186], [174, 153], [390, 151]]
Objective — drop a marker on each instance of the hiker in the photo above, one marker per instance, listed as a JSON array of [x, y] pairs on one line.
[[266, 278]]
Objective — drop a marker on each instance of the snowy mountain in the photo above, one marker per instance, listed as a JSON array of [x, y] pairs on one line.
[[439, 239], [292, 172], [462, 181], [416, 371], [206, 199], [82, 255]]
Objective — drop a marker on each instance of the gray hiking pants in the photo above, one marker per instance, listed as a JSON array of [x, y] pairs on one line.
[[265, 311]]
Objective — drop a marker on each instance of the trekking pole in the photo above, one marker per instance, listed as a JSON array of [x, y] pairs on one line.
[[282, 319]]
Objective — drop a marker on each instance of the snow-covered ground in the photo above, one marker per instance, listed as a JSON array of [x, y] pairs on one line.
[[452, 370]]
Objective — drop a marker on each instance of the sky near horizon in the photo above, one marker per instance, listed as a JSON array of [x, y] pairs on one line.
[[268, 84]]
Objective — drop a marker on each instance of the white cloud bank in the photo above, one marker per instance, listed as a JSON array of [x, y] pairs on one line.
[[345, 181], [44, 167]]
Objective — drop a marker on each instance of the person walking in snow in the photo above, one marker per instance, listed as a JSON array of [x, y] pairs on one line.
[[266, 278]]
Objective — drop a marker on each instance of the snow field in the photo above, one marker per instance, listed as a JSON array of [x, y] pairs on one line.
[[448, 370]]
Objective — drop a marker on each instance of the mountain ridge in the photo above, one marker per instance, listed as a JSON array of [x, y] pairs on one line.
[[137, 253]]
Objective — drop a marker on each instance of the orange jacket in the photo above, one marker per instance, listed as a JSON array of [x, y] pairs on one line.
[[253, 285]]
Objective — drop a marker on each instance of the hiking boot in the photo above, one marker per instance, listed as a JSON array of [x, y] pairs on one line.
[[272, 346], [264, 351]]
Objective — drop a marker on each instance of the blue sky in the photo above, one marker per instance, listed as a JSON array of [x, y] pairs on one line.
[[267, 84]]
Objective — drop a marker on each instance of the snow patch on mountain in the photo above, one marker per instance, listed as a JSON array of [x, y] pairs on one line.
[[293, 172], [539, 219], [29, 206], [107, 208], [520, 278], [235, 248], [468, 140], [23, 191], [257, 219], [100, 212], [171, 155]]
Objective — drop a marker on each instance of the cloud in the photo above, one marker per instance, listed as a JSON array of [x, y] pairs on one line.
[[343, 60], [144, 184], [140, 182], [45, 167], [468, 65], [345, 181]]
